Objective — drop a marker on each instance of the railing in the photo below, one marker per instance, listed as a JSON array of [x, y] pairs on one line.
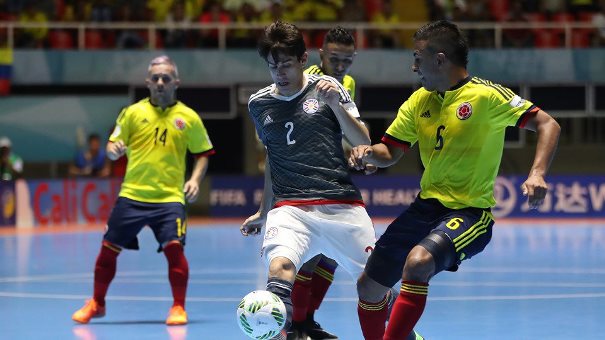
[[362, 29]]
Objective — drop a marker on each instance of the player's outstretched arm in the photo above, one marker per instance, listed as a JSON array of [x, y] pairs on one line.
[[253, 224], [192, 186], [380, 154], [115, 149], [548, 129]]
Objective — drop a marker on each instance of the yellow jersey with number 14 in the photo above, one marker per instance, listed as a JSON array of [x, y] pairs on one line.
[[461, 138], [157, 142]]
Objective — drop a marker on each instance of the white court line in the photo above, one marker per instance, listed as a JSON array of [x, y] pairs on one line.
[[347, 299], [163, 280]]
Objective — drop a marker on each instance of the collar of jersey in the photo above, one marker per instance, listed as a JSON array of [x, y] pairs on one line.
[[289, 98], [457, 86], [157, 107]]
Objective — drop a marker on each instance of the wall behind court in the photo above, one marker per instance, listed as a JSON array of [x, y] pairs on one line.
[[370, 67]]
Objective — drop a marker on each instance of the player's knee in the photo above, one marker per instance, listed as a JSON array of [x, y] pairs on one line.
[[419, 265], [282, 267], [370, 290]]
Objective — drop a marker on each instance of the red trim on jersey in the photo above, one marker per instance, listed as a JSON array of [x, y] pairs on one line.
[[530, 113], [317, 202], [390, 140], [204, 154]]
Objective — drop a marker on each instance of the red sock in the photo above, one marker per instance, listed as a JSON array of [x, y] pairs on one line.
[[407, 310], [372, 317], [322, 279], [301, 295], [105, 270], [178, 272]]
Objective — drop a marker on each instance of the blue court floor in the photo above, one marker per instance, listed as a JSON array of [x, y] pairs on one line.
[[534, 281]]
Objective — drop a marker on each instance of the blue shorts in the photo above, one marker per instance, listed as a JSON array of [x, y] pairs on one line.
[[469, 230], [128, 217]]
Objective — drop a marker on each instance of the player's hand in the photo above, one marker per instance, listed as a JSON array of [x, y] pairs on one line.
[[192, 190], [358, 159], [535, 189], [328, 92], [116, 150], [253, 225]]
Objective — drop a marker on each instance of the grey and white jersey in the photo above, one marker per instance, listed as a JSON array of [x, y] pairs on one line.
[[303, 140]]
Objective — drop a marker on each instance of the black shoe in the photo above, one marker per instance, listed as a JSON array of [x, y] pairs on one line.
[[315, 331], [297, 332]]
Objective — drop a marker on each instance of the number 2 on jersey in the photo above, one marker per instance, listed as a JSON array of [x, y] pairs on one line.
[[162, 138], [290, 127]]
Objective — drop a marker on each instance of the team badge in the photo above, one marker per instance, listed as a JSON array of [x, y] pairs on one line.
[[179, 123], [464, 111], [271, 233], [311, 105]]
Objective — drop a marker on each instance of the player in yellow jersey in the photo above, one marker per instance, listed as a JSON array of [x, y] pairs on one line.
[[155, 133], [458, 122]]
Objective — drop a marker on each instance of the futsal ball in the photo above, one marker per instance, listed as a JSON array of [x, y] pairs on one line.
[[261, 314]]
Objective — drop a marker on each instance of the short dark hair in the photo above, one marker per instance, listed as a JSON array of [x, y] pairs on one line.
[[93, 136], [339, 35], [281, 38], [444, 36]]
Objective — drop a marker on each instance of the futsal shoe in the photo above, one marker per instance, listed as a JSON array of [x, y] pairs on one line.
[[176, 316], [315, 332], [297, 332], [90, 310]]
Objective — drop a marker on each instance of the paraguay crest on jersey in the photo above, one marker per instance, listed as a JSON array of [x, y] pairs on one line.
[[310, 105]]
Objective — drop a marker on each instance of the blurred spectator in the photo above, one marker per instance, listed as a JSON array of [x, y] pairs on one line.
[[386, 37], [352, 11], [213, 13], [478, 11], [11, 165], [598, 19], [128, 38], [517, 37], [276, 11], [550, 7], [160, 9], [101, 11], [91, 161], [32, 37], [236, 5], [176, 36], [245, 37], [77, 10], [316, 11], [577, 6]]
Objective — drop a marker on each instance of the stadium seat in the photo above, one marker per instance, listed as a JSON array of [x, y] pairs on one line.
[[499, 9], [60, 39], [546, 38], [580, 38], [93, 39]]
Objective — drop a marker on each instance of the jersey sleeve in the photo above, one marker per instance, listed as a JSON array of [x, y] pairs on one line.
[[509, 109], [198, 140], [122, 129], [402, 132], [252, 111]]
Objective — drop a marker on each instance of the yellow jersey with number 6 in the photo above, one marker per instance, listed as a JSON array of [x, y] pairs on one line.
[[157, 141], [460, 134]]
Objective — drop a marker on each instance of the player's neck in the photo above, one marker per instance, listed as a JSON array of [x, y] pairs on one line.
[[163, 104], [455, 78]]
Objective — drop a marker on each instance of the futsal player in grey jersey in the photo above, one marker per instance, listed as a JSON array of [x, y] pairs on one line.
[[310, 205]]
